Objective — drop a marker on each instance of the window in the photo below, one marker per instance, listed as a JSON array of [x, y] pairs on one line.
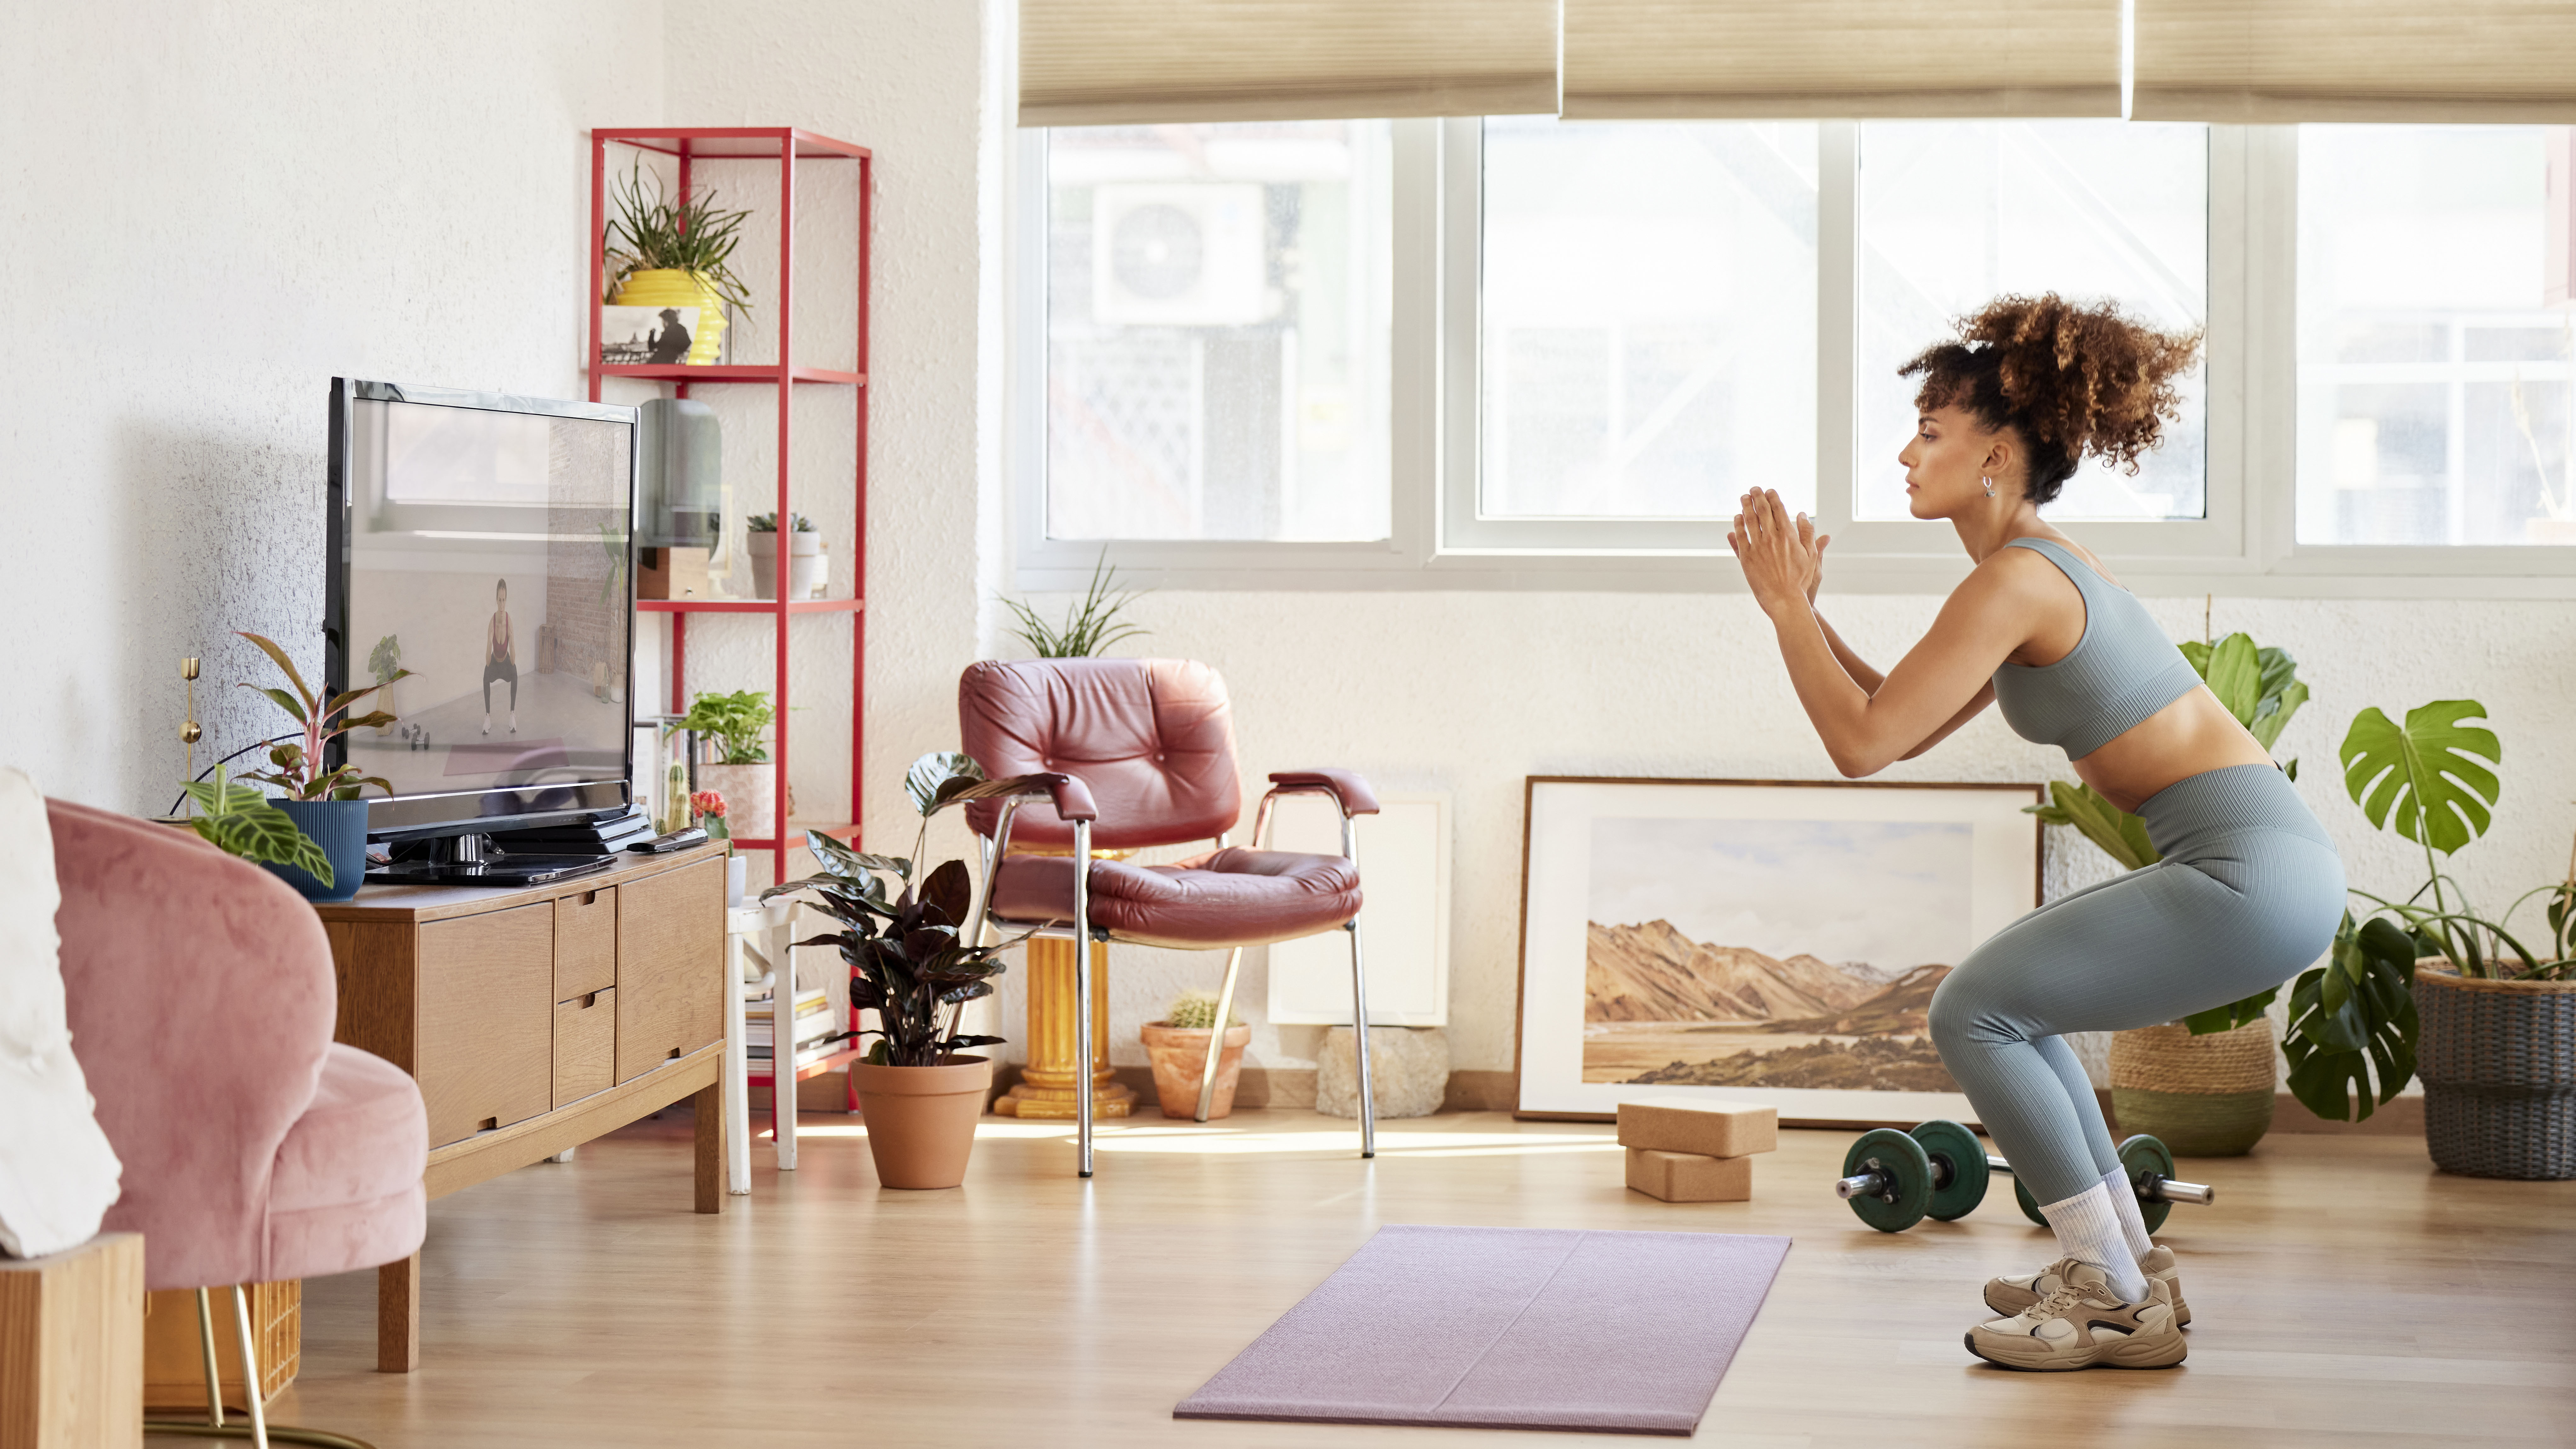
[[2434, 398], [1217, 332], [1954, 214], [1649, 329], [1435, 352]]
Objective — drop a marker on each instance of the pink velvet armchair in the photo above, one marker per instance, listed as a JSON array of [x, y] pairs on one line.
[[201, 1004], [1140, 753]]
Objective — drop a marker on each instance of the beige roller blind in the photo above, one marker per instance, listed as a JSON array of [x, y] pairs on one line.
[[2271, 61], [1841, 58], [1113, 62]]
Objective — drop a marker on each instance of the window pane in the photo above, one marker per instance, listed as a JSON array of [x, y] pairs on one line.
[[1954, 214], [1649, 318], [2434, 385], [1217, 331]]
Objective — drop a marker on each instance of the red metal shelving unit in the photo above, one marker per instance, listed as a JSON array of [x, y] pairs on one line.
[[784, 147]]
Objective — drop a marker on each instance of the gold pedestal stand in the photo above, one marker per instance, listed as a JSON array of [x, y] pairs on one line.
[[1048, 1083]]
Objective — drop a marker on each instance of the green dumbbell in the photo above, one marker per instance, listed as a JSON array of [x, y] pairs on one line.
[[2150, 1169], [1894, 1180]]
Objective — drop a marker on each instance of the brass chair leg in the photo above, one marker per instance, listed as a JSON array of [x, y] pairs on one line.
[[1216, 1038], [257, 1430]]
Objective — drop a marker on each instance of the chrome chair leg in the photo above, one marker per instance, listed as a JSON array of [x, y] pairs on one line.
[[1082, 1045], [1359, 1039], [1216, 1037], [1359, 1007]]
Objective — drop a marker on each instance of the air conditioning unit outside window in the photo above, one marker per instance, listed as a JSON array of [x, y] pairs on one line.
[[1178, 254]]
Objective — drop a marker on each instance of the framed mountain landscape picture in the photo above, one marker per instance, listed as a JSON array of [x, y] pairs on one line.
[[1766, 941]]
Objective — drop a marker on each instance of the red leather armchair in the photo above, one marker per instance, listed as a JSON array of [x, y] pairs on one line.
[[1148, 746]]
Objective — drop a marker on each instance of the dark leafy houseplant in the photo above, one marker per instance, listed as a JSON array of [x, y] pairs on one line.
[[653, 233], [1091, 624], [239, 821], [908, 957], [2261, 688], [298, 763], [734, 720]]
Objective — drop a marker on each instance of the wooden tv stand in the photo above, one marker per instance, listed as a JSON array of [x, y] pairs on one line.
[[536, 1019]]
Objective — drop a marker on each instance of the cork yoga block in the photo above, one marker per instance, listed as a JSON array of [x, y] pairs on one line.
[[1703, 1129], [1689, 1177]]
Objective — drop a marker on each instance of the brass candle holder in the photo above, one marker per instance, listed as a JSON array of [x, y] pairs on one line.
[[189, 732]]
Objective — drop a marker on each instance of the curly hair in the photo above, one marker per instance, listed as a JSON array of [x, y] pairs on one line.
[[2069, 379]]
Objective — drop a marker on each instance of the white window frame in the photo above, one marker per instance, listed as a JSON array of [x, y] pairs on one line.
[[2244, 545]]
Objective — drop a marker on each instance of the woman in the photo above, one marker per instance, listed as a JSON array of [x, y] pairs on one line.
[[2250, 888], [500, 656]]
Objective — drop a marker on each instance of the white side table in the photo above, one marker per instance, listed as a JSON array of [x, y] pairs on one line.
[[756, 947]]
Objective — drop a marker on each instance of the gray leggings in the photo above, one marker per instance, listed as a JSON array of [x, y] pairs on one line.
[[2247, 896]]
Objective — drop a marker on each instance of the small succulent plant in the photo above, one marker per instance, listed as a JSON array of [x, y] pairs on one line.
[[1195, 1010]]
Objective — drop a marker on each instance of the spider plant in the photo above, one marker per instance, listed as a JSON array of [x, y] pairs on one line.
[[1090, 625], [651, 232]]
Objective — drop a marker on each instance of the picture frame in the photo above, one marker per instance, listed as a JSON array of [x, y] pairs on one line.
[[1769, 941]]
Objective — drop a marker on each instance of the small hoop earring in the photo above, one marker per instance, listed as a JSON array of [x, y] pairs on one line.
[[1990, 486]]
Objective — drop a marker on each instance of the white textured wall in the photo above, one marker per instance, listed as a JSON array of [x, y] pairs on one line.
[[1470, 692], [210, 209]]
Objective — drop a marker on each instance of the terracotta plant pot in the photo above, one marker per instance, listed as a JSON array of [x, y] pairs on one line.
[[2498, 1059], [2202, 1096], [921, 1120], [1179, 1054]]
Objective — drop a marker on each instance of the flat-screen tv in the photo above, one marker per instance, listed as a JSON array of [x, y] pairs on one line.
[[480, 541]]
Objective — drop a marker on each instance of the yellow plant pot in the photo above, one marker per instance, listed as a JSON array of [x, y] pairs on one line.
[[665, 287]]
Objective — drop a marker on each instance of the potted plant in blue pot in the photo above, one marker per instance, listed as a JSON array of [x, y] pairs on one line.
[[324, 804]]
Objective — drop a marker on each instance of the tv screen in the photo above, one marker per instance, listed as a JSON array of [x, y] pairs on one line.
[[481, 542]]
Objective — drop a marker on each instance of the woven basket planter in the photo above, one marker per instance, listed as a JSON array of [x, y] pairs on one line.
[[2498, 1059], [2202, 1096]]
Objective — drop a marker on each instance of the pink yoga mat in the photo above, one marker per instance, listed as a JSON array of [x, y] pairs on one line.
[[1507, 1328]]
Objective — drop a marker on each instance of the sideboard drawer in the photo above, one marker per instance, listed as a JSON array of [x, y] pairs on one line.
[[585, 943], [585, 1046], [670, 959], [487, 1020]]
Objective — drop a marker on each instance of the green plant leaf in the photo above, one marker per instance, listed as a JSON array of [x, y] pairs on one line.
[[2425, 774], [265, 834], [2120, 835], [931, 773], [282, 699], [2234, 673], [269, 647], [2272, 715], [2231, 1016]]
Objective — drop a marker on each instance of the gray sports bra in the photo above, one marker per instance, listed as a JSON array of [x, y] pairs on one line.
[[2122, 670]]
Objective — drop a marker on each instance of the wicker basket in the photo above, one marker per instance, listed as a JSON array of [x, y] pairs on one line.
[[2498, 1059], [2202, 1096]]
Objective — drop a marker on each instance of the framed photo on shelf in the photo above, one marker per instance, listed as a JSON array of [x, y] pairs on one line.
[[633, 335], [1757, 940]]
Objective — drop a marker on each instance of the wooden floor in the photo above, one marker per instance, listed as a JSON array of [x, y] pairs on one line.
[[2345, 1294]]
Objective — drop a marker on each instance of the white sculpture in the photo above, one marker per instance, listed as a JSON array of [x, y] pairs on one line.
[[58, 1175]]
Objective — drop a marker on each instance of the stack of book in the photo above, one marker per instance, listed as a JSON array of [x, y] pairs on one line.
[[810, 1022]]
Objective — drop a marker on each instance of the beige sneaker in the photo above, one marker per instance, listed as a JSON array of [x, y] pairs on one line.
[[2082, 1324], [2009, 1296]]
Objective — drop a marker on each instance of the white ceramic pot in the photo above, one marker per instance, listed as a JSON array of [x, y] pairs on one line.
[[807, 565], [750, 794]]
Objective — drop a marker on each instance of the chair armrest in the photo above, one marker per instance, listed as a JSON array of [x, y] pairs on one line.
[[1345, 786], [1071, 798]]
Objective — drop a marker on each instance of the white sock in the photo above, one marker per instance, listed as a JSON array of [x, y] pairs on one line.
[[2124, 1201], [2088, 1230]]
